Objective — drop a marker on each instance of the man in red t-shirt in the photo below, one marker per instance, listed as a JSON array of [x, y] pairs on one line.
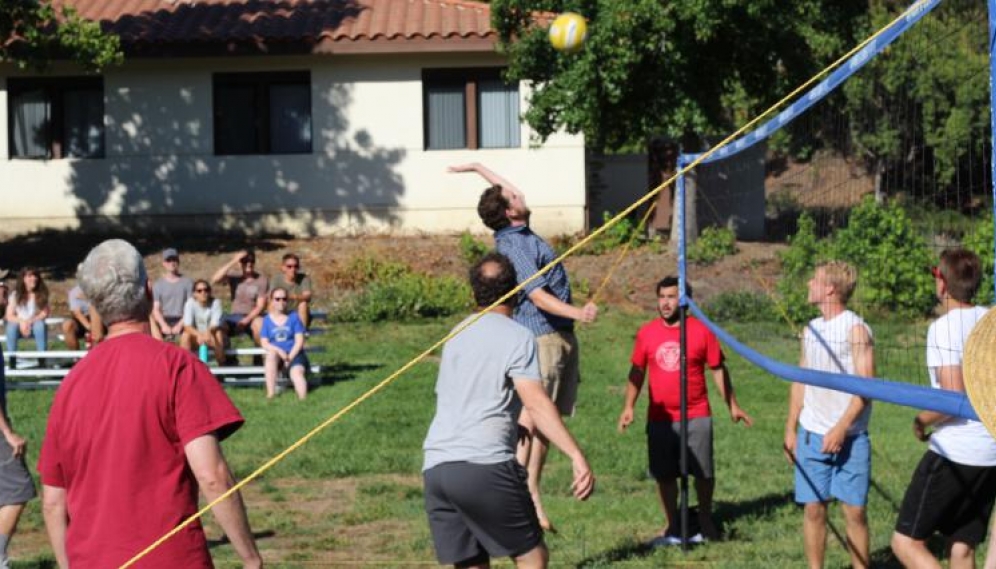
[[658, 348], [132, 435]]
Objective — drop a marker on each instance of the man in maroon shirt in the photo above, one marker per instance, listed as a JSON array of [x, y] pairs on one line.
[[132, 435]]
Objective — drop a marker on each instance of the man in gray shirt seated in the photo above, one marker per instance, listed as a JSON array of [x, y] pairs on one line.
[[169, 294], [476, 495]]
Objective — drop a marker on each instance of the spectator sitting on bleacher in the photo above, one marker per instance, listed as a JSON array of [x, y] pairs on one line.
[[283, 340], [202, 322], [169, 294], [4, 291], [27, 309], [298, 287], [248, 289], [83, 322]]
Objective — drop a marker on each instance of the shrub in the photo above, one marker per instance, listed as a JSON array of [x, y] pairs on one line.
[[614, 237], [713, 244], [367, 268], [741, 306], [797, 266], [407, 296], [472, 248]]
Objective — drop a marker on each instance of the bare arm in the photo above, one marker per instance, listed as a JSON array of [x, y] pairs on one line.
[[721, 377], [214, 478], [951, 379], [157, 315], [547, 419], [863, 353], [553, 305], [11, 314], [486, 173], [56, 521], [219, 275], [634, 385], [797, 392], [260, 308], [83, 319]]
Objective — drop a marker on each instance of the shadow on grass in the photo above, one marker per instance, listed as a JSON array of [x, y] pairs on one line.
[[257, 535], [628, 551], [763, 506], [341, 372]]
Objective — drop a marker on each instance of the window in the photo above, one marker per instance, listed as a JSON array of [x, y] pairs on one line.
[[469, 109], [262, 113], [56, 117]]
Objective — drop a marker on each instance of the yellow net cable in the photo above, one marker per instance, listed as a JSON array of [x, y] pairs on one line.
[[594, 234]]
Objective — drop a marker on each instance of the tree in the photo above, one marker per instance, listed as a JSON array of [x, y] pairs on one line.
[[681, 68], [33, 33]]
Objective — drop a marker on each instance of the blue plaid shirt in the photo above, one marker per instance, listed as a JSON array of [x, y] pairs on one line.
[[529, 253]]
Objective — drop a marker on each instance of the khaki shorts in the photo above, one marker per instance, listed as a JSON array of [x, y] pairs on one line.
[[560, 369]]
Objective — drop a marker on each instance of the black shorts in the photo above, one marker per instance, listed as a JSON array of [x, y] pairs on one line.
[[947, 497], [478, 511], [664, 448]]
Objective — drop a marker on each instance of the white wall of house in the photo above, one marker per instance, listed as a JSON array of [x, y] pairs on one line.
[[367, 172]]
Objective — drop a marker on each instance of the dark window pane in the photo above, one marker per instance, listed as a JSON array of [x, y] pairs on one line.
[[290, 119], [83, 123], [31, 113], [236, 120], [499, 114], [445, 108]]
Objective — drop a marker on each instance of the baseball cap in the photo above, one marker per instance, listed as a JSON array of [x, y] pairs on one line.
[[170, 253]]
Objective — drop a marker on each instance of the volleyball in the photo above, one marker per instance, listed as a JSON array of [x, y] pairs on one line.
[[568, 32]]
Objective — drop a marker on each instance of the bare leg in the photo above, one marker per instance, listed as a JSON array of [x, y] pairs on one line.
[[961, 556], [256, 326], [69, 333], [913, 552], [814, 532], [667, 489], [220, 341], [8, 524], [300, 383], [704, 488], [856, 524], [536, 558], [187, 341], [537, 459], [270, 374]]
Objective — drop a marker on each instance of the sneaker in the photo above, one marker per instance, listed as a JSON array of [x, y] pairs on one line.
[[664, 541], [697, 538]]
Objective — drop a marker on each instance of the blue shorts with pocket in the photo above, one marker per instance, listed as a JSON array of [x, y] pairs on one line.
[[821, 477]]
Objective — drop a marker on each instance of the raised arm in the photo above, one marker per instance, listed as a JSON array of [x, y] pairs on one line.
[[486, 173], [222, 272], [214, 478]]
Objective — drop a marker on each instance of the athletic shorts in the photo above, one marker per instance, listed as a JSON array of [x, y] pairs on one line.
[[477, 511], [560, 369], [821, 477], [16, 486], [947, 497], [664, 448], [301, 359], [232, 320]]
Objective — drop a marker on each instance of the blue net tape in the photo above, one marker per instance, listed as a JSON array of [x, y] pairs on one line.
[[916, 396]]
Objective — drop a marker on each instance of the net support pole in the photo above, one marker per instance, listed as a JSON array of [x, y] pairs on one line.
[[992, 118], [679, 202]]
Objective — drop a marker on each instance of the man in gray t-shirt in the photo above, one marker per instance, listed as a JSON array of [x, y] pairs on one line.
[[476, 496], [169, 294]]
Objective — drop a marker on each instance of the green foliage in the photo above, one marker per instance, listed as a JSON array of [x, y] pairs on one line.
[[881, 242], [614, 237], [472, 248], [407, 296], [980, 241], [713, 244], [32, 34], [890, 256], [368, 268], [640, 73], [741, 306]]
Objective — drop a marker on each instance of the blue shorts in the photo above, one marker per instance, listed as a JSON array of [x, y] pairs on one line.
[[820, 477]]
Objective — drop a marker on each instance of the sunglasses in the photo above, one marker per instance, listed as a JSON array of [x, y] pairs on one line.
[[202, 290], [936, 271], [292, 266], [279, 299]]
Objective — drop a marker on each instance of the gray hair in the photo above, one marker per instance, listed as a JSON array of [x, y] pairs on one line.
[[114, 280]]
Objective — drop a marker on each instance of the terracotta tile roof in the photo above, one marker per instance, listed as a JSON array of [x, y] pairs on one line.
[[331, 26]]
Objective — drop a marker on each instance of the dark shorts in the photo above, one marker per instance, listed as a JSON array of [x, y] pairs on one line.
[[947, 497], [301, 360], [478, 511], [230, 321], [664, 448], [16, 486]]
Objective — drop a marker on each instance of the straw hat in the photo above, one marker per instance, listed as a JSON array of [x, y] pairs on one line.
[[979, 370]]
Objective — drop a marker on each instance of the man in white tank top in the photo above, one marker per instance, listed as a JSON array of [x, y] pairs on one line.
[[953, 487], [826, 433]]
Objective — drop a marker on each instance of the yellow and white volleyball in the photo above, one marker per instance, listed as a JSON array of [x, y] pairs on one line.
[[568, 32]]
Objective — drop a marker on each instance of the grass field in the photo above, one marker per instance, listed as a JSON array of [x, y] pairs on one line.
[[351, 497]]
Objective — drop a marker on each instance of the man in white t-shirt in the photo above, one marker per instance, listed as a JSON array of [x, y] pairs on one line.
[[826, 433], [953, 487]]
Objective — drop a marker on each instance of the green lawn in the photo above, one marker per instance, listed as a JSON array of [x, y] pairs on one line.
[[352, 495]]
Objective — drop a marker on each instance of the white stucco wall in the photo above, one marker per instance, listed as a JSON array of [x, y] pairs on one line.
[[367, 171]]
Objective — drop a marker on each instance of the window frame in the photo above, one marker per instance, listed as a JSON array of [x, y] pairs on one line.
[[55, 89], [261, 82], [470, 78]]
